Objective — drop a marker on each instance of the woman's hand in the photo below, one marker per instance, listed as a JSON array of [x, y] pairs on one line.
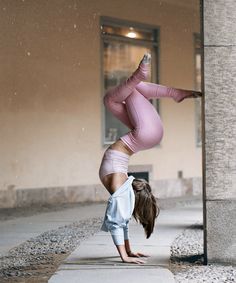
[[128, 258], [131, 254], [136, 260]]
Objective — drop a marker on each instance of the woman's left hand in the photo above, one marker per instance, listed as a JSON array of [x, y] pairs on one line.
[[131, 254]]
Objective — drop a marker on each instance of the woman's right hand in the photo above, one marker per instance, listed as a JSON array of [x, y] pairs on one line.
[[133, 260], [128, 259]]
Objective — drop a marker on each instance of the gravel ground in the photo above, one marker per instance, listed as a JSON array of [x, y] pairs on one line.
[[187, 260], [37, 259]]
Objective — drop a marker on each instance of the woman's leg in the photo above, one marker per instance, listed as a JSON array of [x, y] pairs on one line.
[[148, 129], [135, 111], [115, 97], [151, 90]]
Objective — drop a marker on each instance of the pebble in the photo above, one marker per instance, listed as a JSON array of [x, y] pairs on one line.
[[38, 251], [189, 246]]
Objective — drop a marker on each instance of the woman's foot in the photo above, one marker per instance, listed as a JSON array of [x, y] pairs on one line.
[[141, 72], [181, 94], [146, 59]]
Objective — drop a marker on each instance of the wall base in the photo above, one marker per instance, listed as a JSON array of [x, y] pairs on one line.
[[221, 231], [94, 193]]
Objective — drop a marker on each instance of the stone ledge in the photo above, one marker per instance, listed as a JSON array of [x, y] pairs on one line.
[[51, 195], [92, 193], [170, 188]]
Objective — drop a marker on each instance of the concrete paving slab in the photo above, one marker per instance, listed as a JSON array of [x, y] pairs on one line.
[[101, 244], [99, 275], [95, 254], [97, 260]]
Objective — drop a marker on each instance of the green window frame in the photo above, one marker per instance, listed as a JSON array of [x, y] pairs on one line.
[[123, 44], [197, 64]]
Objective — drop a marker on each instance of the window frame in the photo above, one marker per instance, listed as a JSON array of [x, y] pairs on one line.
[[197, 103], [104, 20]]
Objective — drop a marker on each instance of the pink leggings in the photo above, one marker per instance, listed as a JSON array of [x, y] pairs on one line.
[[129, 102], [138, 114]]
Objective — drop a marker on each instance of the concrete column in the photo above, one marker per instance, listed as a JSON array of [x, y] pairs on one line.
[[219, 108]]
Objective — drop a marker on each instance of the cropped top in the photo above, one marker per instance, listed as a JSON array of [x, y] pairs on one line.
[[113, 161], [119, 210]]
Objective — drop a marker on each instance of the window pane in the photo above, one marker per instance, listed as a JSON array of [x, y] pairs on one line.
[[126, 31], [120, 60], [198, 87], [198, 71]]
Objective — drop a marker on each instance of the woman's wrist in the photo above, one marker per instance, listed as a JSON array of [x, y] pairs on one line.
[[122, 251], [127, 247]]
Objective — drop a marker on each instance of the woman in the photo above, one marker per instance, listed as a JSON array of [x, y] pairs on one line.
[[129, 102]]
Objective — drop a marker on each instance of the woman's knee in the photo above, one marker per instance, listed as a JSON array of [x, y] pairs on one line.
[[107, 100], [110, 104], [150, 137]]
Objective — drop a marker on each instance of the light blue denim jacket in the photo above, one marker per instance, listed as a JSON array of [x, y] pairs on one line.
[[119, 211]]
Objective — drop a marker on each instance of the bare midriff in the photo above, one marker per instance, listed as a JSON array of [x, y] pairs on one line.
[[121, 146], [113, 181]]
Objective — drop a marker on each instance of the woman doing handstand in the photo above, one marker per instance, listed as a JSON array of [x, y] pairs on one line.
[[129, 102]]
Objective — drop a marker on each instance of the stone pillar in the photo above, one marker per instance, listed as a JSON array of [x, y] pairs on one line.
[[219, 109]]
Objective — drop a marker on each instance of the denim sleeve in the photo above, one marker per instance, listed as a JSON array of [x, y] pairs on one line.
[[117, 235], [118, 213], [126, 232], [120, 234]]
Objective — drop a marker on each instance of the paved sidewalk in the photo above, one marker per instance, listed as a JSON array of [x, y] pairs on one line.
[[16, 231], [96, 260]]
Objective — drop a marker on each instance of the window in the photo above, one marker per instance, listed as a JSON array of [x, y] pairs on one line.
[[197, 44], [123, 46]]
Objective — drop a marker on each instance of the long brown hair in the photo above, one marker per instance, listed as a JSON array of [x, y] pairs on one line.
[[145, 209]]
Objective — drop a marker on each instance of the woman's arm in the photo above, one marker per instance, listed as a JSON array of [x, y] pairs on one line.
[[127, 244], [127, 247]]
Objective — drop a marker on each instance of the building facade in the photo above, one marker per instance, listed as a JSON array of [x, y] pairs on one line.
[[56, 62]]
